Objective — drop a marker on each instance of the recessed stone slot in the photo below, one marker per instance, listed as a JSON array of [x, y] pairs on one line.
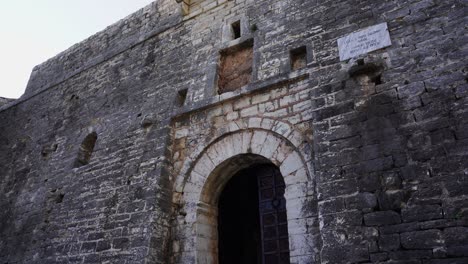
[[181, 97], [56, 195], [47, 150], [370, 69], [298, 58], [59, 198], [148, 120], [367, 73], [236, 29], [235, 68], [377, 79], [86, 150]]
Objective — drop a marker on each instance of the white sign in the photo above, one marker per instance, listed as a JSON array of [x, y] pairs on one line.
[[364, 41]]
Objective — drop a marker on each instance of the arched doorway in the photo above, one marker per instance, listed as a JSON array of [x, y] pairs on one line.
[[205, 174], [252, 220]]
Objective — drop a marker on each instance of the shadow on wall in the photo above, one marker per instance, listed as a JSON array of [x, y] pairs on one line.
[[12, 245], [385, 162], [371, 151], [382, 146]]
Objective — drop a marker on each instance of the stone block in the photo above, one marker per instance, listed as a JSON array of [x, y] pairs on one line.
[[411, 90], [331, 206], [379, 164], [378, 257], [344, 254], [332, 111], [456, 236], [382, 218], [250, 111], [392, 199], [362, 201], [103, 245], [457, 251], [337, 188], [369, 182], [410, 254], [350, 218], [389, 242], [426, 239], [421, 213], [448, 261], [88, 247]]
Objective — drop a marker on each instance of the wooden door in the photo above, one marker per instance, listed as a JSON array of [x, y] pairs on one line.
[[273, 219]]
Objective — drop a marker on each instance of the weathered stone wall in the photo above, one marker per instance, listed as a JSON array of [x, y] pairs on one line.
[[113, 210], [383, 137], [391, 152]]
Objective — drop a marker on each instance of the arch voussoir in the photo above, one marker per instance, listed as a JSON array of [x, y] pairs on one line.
[[258, 139], [269, 147]]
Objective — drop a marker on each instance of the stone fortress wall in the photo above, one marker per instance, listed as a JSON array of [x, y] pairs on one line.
[[118, 148]]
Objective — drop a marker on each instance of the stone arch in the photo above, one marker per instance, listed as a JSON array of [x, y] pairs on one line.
[[216, 164], [281, 129]]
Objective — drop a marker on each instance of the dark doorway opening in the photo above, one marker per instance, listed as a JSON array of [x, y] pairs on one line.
[[238, 221], [252, 222]]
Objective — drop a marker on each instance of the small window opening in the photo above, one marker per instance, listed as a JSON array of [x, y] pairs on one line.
[[298, 58], [236, 30], [181, 97], [86, 150]]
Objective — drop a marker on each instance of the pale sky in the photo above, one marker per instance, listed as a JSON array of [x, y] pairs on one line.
[[32, 31]]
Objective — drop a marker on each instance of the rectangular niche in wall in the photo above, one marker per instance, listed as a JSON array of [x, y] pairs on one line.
[[235, 67], [236, 30], [298, 58]]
